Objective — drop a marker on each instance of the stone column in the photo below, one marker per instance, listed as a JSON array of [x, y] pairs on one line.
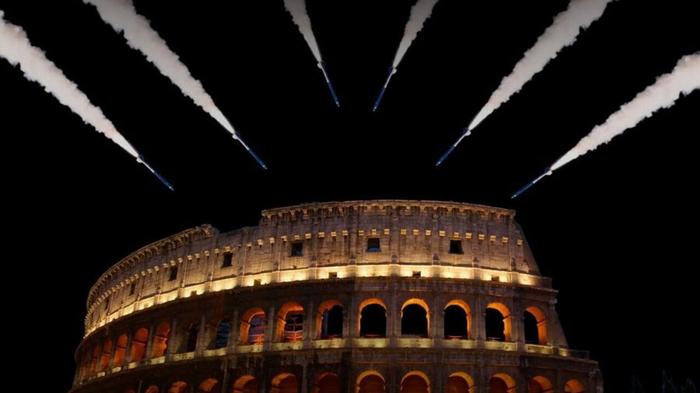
[[479, 319], [517, 325], [393, 318], [437, 319], [171, 342], [309, 318], [129, 343], [271, 320], [149, 342], [304, 377], [233, 332], [351, 316], [201, 335], [110, 365]]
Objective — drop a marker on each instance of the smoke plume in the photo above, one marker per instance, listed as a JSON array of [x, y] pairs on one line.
[[562, 33], [668, 88], [18, 50], [122, 16], [420, 12], [301, 18]]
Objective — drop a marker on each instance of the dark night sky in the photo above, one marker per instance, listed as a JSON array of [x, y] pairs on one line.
[[615, 229]]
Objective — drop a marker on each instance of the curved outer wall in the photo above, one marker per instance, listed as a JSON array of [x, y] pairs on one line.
[[253, 309]]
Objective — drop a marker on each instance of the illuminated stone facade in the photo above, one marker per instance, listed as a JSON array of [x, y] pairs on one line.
[[355, 297]]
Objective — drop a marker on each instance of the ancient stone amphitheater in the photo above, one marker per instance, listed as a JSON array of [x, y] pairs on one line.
[[360, 296]]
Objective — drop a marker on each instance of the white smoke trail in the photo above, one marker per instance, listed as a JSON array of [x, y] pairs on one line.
[[562, 33], [301, 18], [684, 78], [420, 12], [122, 16], [17, 49], [667, 89]]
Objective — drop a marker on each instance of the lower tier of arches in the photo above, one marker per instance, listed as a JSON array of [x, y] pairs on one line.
[[371, 372]]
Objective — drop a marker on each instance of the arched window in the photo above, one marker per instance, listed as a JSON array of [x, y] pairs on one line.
[[370, 382], [372, 318], [415, 382], [192, 336], [574, 386], [456, 320], [329, 320], [290, 323], [138, 345], [120, 350], [223, 329], [178, 387], [502, 383], [209, 385], [284, 383], [246, 384], [539, 384], [327, 383], [535, 325], [160, 340], [414, 320], [252, 330], [498, 322], [106, 354], [460, 382]]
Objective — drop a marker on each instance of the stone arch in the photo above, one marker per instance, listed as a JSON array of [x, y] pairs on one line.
[[327, 382], [415, 382], [221, 334], [252, 328], [372, 318], [246, 384], [106, 354], [160, 339], [191, 337], [329, 319], [178, 387], [457, 319], [370, 381], [535, 321], [498, 328], [574, 386], [152, 389], [290, 323], [138, 344], [539, 384], [502, 383], [460, 382], [209, 385], [120, 350], [284, 383], [415, 318]]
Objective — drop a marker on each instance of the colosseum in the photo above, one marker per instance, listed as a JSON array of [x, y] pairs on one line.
[[356, 297]]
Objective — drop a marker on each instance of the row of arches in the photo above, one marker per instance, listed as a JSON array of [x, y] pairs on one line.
[[209, 385], [289, 323], [371, 381]]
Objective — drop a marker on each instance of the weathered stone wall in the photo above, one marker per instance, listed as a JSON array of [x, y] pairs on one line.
[[200, 279]]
